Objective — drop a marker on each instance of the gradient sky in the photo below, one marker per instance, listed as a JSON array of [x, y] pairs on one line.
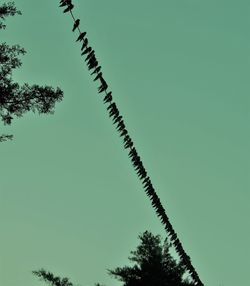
[[69, 198]]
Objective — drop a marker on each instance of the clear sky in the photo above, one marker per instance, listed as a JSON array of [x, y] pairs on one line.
[[179, 71]]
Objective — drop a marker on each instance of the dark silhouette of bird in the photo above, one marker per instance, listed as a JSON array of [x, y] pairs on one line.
[[142, 173], [120, 125], [112, 107], [114, 112], [65, 3], [91, 58], [96, 70], [173, 236], [90, 55], [87, 50], [98, 76], [103, 81], [103, 85], [108, 97], [128, 143], [81, 36], [69, 8], [117, 119], [127, 138], [146, 181], [76, 24], [84, 44], [92, 63], [132, 152], [123, 132], [135, 159]]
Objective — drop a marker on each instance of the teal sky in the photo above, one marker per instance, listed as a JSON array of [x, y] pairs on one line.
[[179, 71]]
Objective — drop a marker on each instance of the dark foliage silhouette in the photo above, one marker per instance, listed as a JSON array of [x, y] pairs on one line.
[[153, 265], [15, 100], [52, 280], [133, 154]]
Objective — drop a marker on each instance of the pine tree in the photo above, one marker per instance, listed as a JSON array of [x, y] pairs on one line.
[[153, 265]]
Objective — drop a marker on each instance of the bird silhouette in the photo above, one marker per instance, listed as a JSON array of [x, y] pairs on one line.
[[65, 3], [84, 44], [69, 8], [146, 181], [96, 70], [90, 55], [102, 88], [114, 112], [132, 153], [142, 173], [92, 63], [148, 184], [121, 125], [81, 36], [117, 119], [76, 24], [123, 132], [127, 142], [111, 106], [103, 85], [87, 50], [108, 97], [98, 76], [91, 58], [127, 138]]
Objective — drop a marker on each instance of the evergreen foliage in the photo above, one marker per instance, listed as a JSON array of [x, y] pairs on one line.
[[15, 100], [153, 265]]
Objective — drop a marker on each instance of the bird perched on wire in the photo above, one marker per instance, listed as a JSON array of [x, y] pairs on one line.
[[87, 50], [84, 44], [117, 119], [108, 97], [123, 132], [120, 126], [92, 63], [128, 143], [113, 110], [90, 55], [76, 24], [69, 8], [98, 76], [65, 3], [96, 70], [81, 36], [103, 85]]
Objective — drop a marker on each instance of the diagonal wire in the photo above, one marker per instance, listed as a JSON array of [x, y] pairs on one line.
[[128, 144]]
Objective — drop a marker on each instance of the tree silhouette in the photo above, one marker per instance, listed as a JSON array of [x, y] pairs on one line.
[[139, 168], [15, 100], [154, 265], [51, 279]]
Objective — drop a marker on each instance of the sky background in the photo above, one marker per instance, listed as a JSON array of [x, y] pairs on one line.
[[70, 200]]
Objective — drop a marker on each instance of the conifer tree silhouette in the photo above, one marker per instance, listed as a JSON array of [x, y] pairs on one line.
[[118, 121], [15, 100], [51, 279]]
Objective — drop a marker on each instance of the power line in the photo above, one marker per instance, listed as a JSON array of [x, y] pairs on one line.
[[117, 118]]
